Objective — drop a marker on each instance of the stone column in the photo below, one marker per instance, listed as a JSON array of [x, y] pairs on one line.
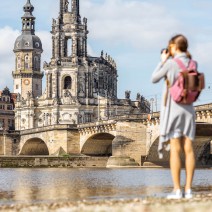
[[32, 120], [83, 47], [53, 47], [57, 48], [50, 86], [47, 85], [62, 46]]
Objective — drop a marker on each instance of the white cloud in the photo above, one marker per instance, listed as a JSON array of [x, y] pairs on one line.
[[7, 58], [133, 31], [138, 23]]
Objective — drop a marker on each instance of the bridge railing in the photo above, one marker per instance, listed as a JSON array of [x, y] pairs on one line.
[[48, 128], [138, 117], [153, 115], [203, 107], [114, 119], [97, 123]]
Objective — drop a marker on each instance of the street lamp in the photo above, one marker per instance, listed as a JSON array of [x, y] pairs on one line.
[[106, 104], [4, 134], [152, 101]]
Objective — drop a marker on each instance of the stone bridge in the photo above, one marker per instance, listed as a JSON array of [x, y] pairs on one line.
[[105, 138], [137, 136], [133, 137]]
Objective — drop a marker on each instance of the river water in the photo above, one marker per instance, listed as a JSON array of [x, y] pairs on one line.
[[49, 185]]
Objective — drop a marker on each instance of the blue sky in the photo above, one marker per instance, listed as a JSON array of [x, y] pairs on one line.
[[131, 31]]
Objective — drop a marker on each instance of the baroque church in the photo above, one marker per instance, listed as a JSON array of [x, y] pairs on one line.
[[79, 89]]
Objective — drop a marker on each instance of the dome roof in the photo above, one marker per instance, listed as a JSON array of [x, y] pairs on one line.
[[28, 42]]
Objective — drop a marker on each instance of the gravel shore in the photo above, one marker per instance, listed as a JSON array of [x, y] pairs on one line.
[[198, 203]]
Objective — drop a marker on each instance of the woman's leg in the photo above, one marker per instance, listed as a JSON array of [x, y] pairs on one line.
[[189, 162], [175, 161]]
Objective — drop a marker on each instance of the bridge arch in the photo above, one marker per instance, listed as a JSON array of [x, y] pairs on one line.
[[201, 146], [98, 145], [152, 155], [34, 146]]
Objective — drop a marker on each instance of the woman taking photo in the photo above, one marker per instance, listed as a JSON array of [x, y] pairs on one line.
[[177, 121]]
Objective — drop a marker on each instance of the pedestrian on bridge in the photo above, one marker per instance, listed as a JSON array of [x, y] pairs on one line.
[[177, 121]]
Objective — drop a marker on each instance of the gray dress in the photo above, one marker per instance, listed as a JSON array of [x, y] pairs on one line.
[[176, 120]]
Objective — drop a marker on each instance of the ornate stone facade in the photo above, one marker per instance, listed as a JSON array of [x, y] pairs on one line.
[[79, 88], [6, 110]]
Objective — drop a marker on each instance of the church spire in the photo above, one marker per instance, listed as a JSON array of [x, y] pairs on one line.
[[75, 10], [63, 5], [28, 20]]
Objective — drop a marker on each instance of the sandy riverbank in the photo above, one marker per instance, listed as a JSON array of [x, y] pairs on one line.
[[200, 203]]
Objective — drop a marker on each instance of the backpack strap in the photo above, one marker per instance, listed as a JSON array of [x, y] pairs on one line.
[[191, 65], [167, 90], [180, 63]]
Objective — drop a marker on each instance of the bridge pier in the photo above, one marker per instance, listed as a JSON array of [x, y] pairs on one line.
[[129, 145], [120, 155]]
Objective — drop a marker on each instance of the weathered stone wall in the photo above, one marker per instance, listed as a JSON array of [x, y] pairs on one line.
[[73, 138], [130, 140], [55, 137], [152, 134], [69, 162], [1, 144], [9, 143], [37, 87]]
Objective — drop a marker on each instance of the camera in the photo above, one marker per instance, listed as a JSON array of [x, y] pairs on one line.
[[164, 49]]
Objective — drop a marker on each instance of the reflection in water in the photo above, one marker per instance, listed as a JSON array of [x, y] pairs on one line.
[[36, 185]]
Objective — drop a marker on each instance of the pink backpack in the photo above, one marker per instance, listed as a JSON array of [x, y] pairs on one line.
[[188, 85]]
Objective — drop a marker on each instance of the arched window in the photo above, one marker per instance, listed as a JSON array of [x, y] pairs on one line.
[[28, 25], [26, 62], [67, 82], [36, 63], [68, 49]]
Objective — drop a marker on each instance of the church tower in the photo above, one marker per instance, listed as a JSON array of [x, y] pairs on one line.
[[69, 52], [80, 88], [69, 33], [28, 49]]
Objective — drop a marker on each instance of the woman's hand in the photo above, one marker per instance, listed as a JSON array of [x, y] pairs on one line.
[[164, 56]]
